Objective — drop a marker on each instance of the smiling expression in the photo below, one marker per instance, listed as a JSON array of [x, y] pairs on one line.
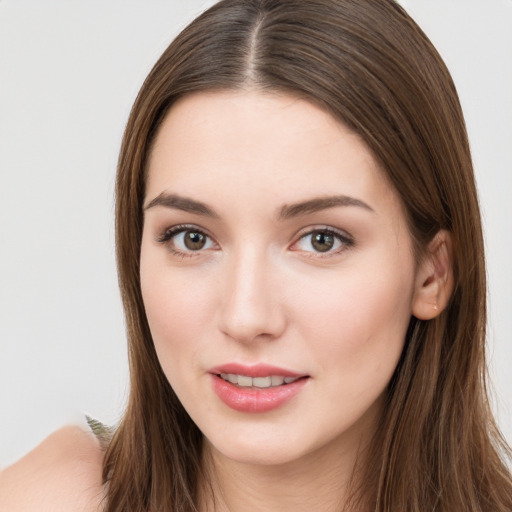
[[273, 247]]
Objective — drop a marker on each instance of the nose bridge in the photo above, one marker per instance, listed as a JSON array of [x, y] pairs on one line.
[[250, 305]]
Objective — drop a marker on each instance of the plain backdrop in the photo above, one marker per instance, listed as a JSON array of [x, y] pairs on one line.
[[69, 72]]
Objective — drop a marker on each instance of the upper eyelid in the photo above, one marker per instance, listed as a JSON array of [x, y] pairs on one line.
[[305, 230], [308, 230], [313, 229], [346, 239], [180, 228], [166, 237]]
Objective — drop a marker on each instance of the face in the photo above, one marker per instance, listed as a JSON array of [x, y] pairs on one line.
[[277, 274]]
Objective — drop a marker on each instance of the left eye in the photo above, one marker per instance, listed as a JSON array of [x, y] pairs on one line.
[[321, 241]]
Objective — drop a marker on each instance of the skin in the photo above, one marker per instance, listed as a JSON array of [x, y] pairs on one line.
[[258, 291], [62, 474]]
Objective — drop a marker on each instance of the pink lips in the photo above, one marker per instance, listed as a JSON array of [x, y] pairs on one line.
[[250, 399]]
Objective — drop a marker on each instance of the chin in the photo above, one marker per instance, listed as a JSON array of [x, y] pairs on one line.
[[257, 453]]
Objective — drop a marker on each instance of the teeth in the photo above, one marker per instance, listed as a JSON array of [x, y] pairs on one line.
[[244, 381], [258, 382], [276, 380], [261, 382]]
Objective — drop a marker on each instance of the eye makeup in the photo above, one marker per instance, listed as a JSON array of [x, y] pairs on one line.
[[323, 242], [188, 240]]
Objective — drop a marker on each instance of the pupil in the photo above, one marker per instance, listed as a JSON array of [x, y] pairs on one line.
[[322, 242], [194, 241]]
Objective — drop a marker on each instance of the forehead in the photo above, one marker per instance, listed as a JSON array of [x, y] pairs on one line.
[[253, 143]]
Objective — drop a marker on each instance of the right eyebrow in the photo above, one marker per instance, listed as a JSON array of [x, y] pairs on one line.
[[181, 203]]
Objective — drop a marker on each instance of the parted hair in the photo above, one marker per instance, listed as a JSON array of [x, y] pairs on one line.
[[369, 65]]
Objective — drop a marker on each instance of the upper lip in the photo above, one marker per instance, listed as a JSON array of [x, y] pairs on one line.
[[256, 370]]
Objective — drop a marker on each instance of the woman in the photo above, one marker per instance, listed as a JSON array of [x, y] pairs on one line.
[[301, 263]]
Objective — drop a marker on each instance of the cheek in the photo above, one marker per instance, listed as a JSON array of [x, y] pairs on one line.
[[170, 307], [176, 310], [359, 319]]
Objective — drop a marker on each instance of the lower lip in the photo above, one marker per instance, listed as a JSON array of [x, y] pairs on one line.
[[255, 400]]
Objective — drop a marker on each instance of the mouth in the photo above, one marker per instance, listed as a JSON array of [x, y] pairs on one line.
[[265, 382], [256, 389]]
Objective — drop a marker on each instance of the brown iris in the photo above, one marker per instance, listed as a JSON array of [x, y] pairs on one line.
[[322, 242], [194, 241]]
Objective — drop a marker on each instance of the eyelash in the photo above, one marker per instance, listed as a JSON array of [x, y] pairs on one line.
[[343, 238], [167, 236]]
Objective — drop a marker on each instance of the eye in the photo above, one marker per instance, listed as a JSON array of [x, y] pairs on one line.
[[186, 239], [323, 241]]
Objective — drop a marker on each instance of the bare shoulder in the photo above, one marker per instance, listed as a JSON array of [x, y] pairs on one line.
[[63, 473]]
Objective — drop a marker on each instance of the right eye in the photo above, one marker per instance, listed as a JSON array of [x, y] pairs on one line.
[[186, 239]]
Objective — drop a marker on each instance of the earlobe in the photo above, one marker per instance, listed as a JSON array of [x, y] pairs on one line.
[[434, 279]]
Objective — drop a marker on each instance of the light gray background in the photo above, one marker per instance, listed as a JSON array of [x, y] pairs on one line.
[[69, 72]]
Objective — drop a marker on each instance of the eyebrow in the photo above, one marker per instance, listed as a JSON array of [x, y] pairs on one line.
[[286, 212], [181, 203], [320, 203]]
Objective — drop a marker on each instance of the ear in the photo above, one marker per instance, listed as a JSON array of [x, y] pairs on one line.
[[434, 279]]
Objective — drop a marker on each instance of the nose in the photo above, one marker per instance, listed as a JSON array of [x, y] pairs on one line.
[[250, 306]]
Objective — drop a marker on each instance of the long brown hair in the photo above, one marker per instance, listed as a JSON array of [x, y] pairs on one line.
[[369, 65]]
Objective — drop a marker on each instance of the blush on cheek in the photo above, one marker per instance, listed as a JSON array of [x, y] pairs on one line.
[[177, 312], [364, 322]]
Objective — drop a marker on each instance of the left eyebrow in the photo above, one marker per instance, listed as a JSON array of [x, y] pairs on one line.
[[286, 212], [319, 204]]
